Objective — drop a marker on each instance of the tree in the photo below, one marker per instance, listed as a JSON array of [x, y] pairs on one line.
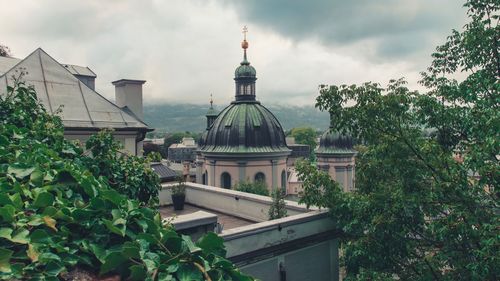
[[277, 209], [61, 211], [5, 51], [304, 135], [426, 205]]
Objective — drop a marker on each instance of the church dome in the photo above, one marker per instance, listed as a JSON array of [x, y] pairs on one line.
[[332, 142], [245, 127]]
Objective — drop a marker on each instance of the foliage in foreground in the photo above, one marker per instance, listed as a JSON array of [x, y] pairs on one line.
[[426, 205], [257, 187], [58, 212]]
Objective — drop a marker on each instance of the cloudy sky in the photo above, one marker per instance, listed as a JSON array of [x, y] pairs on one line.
[[188, 49]]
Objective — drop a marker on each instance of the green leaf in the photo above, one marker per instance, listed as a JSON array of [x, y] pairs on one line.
[[137, 272], [53, 268], [21, 237], [20, 171], [111, 262], [5, 233], [7, 212], [120, 230], [5, 256], [48, 256], [188, 273], [131, 250], [212, 243], [36, 177], [40, 236], [189, 243], [43, 199]]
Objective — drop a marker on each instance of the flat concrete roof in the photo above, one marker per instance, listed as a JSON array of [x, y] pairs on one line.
[[228, 221]]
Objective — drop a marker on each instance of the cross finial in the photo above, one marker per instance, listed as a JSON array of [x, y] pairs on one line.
[[245, 31], [211, 100]]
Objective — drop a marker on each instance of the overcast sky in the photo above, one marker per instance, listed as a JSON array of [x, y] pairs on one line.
[[188, 49]]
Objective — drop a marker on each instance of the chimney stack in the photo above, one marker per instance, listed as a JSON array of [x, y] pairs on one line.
[[128, 93]]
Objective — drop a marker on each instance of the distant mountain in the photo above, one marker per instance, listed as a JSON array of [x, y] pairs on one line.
[[191, 117]]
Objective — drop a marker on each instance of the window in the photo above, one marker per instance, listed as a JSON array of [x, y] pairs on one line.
[[260, 177], [225, 180], [204, 178], [283, 179], [340, 173], [350, 178]]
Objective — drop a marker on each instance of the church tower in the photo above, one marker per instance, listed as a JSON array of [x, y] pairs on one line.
[[245, 142]]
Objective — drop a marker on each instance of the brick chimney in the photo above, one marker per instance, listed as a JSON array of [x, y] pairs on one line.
[[128, 93]]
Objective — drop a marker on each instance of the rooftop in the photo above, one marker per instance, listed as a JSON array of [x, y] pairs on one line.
[[226, 220], [58, 88]]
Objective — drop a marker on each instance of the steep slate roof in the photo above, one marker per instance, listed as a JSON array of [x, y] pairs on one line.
[[57, 87]]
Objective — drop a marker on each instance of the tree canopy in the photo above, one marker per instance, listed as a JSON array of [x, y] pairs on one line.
[[65, 209], [426, 204], [304, 135], [5, 51]]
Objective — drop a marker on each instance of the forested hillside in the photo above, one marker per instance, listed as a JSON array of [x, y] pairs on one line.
[[191, 117]]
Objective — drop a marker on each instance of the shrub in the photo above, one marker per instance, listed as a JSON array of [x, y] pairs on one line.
[[58, 214], [258, 187], [128, 174]]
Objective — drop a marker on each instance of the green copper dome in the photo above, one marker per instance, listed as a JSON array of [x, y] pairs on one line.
[[245, 70], [212, 112], [332, 142], [245, 127]]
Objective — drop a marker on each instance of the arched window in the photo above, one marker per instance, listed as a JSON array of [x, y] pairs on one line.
[[283, 179], [260, 177], [225, 180], [204, 178]]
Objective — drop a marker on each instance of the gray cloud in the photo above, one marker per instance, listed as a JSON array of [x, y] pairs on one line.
[[188, 49], [399, 27]]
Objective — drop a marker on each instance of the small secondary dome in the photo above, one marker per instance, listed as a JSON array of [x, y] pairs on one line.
[[332, 142], [245, 70]]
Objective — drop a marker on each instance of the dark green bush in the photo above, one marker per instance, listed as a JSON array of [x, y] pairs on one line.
[[59, 209], [258, 188]]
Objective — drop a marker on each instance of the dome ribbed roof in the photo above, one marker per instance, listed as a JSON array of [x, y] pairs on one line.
[[332, 142], [212, 112], [245, 70], [245, 127]]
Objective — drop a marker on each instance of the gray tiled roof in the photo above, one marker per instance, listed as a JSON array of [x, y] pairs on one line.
[[164, 172], [57, 87]]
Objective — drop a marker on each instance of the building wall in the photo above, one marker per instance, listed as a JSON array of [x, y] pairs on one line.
[[318, 262], [244, 170], [340, 169], [179, 154]]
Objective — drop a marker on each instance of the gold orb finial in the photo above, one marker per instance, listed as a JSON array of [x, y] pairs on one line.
[[244, 44]]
